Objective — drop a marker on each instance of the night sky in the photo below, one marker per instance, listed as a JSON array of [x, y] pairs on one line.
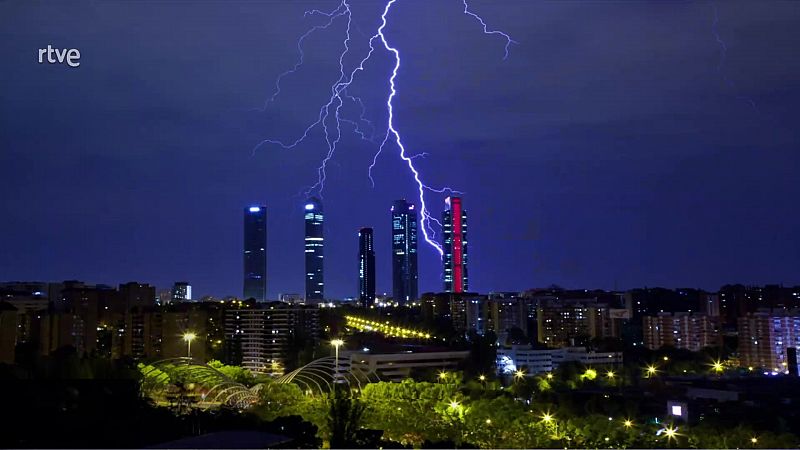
[[608, 151]]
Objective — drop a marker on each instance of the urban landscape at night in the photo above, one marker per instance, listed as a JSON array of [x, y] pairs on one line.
[[400, 224]]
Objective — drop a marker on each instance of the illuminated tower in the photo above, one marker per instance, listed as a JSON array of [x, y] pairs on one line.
[[404, 252], [366, 268], [454, 236], [315, 246], [255, 253]]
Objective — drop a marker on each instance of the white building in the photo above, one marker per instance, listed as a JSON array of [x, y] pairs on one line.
[[534, 362], [397, 366]]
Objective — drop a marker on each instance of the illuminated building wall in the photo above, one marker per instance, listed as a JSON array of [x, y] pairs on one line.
[[764, 338], [688, 331], [366, 268], [260, 338], [574, 322], [314, 251], [255, 253], [454, 236], [404, 252], [181, 292], [469, 312]]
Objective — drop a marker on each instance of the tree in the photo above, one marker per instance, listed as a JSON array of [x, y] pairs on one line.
[[344, 419]]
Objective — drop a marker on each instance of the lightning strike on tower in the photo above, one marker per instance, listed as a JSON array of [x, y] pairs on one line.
[[330, 115]]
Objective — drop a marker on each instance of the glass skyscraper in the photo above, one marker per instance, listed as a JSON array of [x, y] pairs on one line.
[[454, 244], [404, 252], [255, 253], [314, 248], [366, 268]]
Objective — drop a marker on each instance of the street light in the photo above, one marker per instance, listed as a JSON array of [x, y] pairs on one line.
[[519, 374], [628, 423], [336, 343], [717, 366], [189, 337], [651, 370]]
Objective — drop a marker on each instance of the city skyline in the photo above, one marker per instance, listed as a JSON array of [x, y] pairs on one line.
[[340, 224], [637, 166]]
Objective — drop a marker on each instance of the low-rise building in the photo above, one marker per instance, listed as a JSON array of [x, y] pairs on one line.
[[397, 366], [535, 361]]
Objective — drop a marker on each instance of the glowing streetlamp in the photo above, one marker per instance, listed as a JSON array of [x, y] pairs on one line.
[[549, 376], [717, 367], [651, 371], [443, 375], [336, 343], [519, 374], [547, 418], [482, 377], [189, 337], [754, 440], [628, 423], [610, 374]]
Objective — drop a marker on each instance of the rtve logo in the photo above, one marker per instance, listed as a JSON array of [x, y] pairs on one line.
[[70, 57]]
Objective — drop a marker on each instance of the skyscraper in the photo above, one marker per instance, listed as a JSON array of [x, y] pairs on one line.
[[404, 252], [255, 253], [366, 268], [315, 246], [454, 236]]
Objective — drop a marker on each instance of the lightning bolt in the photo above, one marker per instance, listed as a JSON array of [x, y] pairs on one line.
[[330, 116], [723, 54], [486, 29]]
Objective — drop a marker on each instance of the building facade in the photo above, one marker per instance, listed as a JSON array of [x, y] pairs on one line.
[[366, 267], [262, 337], [398, 366], [563, 323], [404, 252], [688, 331], [181, 292], [535, 361], [314, 251], [766, 336], [255, 253], [454, 244]]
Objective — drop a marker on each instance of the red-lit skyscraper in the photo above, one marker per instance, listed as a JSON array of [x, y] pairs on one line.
[[454, 223]]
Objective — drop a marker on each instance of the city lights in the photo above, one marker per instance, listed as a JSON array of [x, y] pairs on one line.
[[385, 328], [651, 371], [189, 337]]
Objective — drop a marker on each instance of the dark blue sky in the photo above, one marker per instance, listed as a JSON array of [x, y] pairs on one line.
[[608, 150]]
